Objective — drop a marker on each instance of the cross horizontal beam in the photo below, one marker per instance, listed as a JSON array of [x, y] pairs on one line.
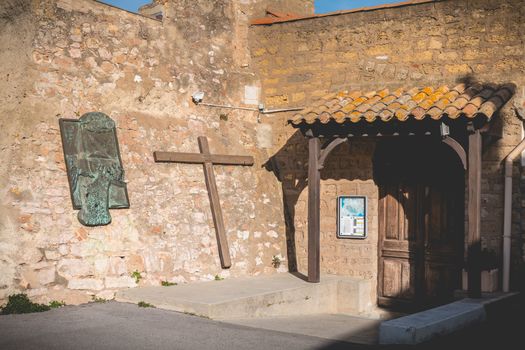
[[199, 158]]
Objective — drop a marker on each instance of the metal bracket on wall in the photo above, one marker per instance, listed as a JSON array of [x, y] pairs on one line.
[[198, 97]]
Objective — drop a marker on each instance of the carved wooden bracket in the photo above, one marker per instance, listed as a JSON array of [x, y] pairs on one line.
[[458, 148], [328, 147]]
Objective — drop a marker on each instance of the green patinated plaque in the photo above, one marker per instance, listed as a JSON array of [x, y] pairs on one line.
[[94, 167]]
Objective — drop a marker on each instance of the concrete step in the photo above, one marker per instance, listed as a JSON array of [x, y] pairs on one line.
[[266, 296]]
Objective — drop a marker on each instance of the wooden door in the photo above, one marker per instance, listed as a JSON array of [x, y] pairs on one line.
[[399, 244], [443, 246], [421, 215]]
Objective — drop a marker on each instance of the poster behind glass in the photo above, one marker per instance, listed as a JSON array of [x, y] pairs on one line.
[[351, 217]]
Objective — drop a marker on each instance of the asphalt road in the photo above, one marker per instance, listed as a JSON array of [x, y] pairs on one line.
[[126, 326]]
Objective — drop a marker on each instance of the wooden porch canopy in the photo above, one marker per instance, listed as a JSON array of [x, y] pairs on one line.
[[458, 116]]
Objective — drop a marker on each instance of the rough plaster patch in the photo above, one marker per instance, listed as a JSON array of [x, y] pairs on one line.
[[252, 95], [264, 136]]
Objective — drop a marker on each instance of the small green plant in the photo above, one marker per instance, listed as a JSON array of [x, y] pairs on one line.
[[55, 304], [137, 276], [144, 304], [218, 278], [98, 300], [167, 284], [20, 304], [276, 261]]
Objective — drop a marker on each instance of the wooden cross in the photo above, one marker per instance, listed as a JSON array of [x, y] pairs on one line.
[[208, 160]]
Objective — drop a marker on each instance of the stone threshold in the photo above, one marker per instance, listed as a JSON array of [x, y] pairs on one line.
[[430, 324]]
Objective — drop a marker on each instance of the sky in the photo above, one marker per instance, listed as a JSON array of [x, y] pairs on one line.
[[130, 5], [321, 6]]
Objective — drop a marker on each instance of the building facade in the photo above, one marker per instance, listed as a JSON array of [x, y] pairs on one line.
[[62, 59]]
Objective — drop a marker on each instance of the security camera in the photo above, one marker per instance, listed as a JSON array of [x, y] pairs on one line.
[[197, 97]]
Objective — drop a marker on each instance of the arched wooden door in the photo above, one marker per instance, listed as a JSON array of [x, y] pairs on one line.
[[421, 222]]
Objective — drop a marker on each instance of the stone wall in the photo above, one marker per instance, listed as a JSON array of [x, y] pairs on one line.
[[427, 44], [63, 58]]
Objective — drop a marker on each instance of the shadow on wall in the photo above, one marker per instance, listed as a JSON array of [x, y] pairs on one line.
[[290, 166], [11, 10]]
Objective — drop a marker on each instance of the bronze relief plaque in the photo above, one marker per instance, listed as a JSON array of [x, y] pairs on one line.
[[94, 167]]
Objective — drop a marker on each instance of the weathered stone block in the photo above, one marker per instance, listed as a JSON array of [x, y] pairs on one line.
[[52, 255], [119, 282], [31, 256], [135, 262], [85, 284], [85, 248], [117, 266], [70, 268], [106, 295]]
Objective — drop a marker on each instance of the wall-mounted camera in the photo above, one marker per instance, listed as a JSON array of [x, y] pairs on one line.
[[197, 97]]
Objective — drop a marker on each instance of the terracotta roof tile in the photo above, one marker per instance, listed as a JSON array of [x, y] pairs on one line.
[[378, 107], [460, 88], [435, 112], [418, 113], [386, 115], [460, 102], [452, 112], [401, 114], [402, 104]]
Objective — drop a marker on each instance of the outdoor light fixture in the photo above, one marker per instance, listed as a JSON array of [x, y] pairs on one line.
[[198, 97], [444, 129]]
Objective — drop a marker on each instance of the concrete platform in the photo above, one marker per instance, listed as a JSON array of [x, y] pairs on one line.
[[266, 296], [429, 324]]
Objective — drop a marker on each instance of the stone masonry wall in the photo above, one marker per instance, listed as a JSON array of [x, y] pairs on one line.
[[428, 44], [63, 58]]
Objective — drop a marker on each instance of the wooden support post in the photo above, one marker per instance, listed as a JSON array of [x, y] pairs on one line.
[[314, 211], [474, 215]]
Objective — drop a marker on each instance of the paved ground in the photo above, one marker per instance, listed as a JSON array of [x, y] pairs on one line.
[[126, 326], [344, 328]]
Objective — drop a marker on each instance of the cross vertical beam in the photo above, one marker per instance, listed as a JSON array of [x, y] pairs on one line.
[[216, 211], [474, 214], [314, 210]]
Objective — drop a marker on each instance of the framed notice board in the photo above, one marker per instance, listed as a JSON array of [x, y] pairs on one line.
[[351, 217]]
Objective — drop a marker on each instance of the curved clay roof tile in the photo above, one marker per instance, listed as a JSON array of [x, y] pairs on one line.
[[452, 112], [386, 115], [462, 100]]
